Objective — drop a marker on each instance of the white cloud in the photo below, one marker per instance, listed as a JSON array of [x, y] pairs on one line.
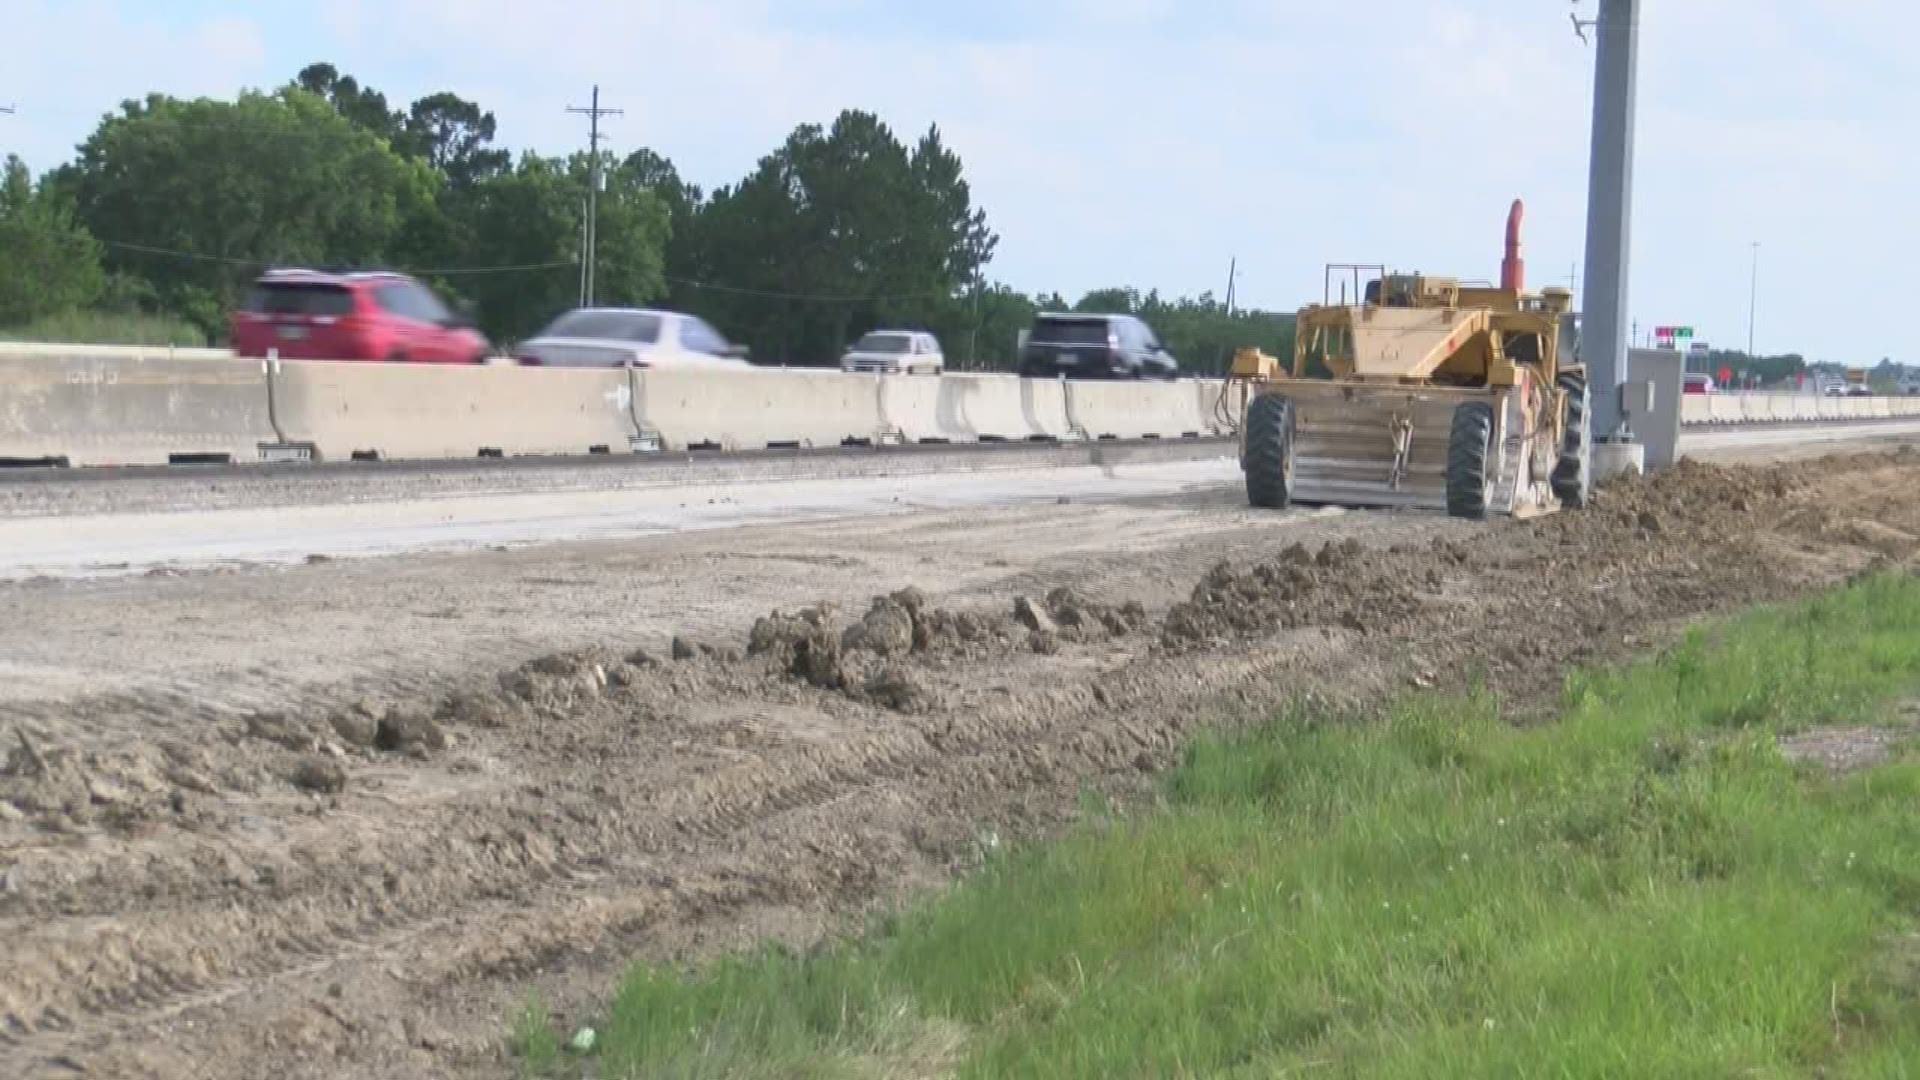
[[1150, 141]]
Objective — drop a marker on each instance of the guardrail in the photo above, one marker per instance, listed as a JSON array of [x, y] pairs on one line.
[[82, 406]]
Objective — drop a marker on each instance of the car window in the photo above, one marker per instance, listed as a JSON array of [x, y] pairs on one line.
[[698, 337], [393, 300], [302, 298], [638, 326], [1069, 331], [884, 343], [427, 307]]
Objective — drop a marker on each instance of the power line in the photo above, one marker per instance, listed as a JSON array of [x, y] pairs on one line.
[[821, 298], [593, 113], [441, 271]]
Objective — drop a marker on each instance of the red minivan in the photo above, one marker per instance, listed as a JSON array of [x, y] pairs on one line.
[[370, 315]]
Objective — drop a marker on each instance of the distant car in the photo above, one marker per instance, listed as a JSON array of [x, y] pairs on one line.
[[1859, 390], [361, 315], [1698, 383], [630, 337], [1095, 346], [887, 352]]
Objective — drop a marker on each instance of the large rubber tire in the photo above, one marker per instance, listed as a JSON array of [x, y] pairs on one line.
[[1469, 452], [1573, 472], [1269, 454]]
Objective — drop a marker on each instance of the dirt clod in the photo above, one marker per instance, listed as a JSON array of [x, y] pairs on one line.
[[479, 708], [355, 728], [896, 688], [1034, 616], [886, 629], [683, 649], [322, 775], [406, 729], [281, 730]]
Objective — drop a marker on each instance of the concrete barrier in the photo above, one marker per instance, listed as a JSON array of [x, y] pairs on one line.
[[1219, 406], [40, 350], [768, 407], [1694, 409], [1116, 410], [338, 410], [1727, 408], [112, 409], [979, 408]]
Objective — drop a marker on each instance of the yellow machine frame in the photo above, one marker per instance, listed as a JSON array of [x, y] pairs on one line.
[[1376, 383]]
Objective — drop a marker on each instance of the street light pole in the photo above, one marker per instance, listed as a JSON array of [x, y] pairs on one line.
[[1753, 296], [1603, 333]]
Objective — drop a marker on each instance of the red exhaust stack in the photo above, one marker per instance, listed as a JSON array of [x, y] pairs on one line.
[[1513, 272]]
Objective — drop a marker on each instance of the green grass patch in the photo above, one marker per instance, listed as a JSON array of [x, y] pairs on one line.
[[108, 328], [534, 1040], [1645, 888]]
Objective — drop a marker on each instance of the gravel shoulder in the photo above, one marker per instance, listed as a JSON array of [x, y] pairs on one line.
[[335, 819]]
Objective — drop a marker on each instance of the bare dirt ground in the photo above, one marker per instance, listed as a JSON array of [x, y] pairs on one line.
[[335, 821]]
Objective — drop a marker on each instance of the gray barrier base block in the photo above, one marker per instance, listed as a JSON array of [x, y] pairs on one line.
[[279, 453], [1615, 459]]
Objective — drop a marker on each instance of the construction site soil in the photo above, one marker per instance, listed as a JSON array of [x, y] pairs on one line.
[[231, 850]]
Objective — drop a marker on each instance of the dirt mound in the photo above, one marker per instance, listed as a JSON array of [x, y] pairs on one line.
[[1342, 585], [886, 629], [803, 645], [866, 660]]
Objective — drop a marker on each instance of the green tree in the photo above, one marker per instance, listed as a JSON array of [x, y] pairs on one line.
[[530, 216], [1114, 301], [364, 106], [455, 137], [839, 230], [51, 264], [631, 234], [980, 331], [1769, 370], [527, 215], [195, 196]]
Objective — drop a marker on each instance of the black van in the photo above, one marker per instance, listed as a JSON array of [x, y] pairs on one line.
[[1095, 347]]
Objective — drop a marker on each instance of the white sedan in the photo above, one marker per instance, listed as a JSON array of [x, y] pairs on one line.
[[890, 352], [630, 337]]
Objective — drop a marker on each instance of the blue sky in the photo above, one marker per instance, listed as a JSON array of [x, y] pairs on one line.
[[1147, 142]]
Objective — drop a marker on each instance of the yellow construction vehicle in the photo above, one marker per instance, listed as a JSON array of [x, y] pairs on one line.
[[1419, 391]]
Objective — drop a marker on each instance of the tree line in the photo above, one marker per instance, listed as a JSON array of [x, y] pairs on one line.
[[172, 207]]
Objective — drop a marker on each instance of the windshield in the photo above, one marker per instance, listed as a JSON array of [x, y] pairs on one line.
[[883, 343], [1070, 331], [300, 299], [607, 326]]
